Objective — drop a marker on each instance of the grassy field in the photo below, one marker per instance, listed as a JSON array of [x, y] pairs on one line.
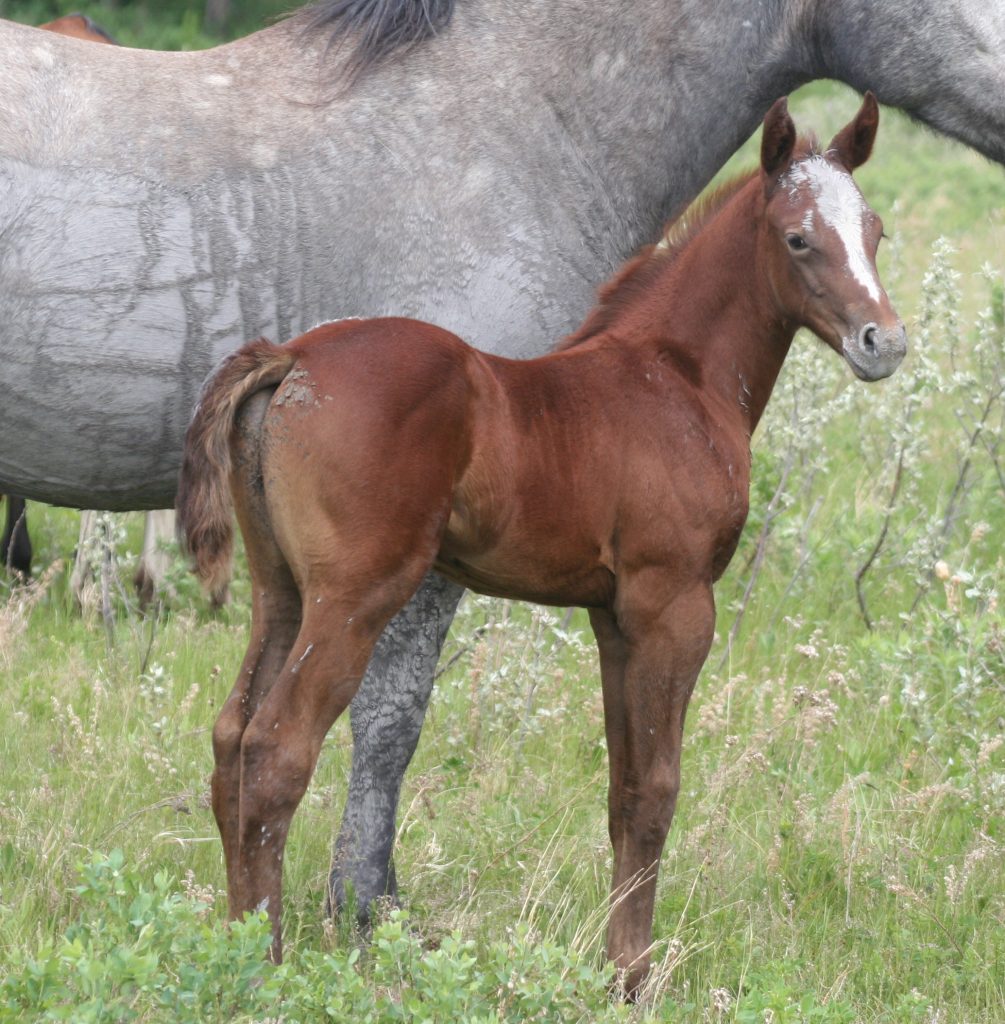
[[839, 849]]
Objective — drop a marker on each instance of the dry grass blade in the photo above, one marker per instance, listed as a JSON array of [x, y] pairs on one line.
[[16, 613]]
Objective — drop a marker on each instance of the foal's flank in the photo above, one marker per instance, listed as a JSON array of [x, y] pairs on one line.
[[612, 474]]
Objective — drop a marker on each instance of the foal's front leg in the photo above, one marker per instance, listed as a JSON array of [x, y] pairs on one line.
[[613, 651], [663, 654]]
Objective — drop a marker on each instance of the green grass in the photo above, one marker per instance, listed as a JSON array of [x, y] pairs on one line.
[[838, 849]]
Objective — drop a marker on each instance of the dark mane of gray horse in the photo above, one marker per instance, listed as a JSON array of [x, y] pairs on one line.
[[378, 27]]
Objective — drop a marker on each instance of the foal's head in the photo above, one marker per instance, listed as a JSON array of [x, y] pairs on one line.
[[822, 241]]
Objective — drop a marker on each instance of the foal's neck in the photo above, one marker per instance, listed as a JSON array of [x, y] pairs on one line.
[[712, 310]]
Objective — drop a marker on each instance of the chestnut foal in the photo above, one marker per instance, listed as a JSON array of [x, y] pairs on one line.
[[612, 474]]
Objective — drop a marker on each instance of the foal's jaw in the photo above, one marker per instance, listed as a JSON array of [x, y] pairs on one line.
[[868, 335]]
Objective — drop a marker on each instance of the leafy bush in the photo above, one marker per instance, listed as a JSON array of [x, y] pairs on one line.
[[137, 953]]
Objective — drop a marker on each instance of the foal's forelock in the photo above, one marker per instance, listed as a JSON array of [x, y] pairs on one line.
[[839, 204]]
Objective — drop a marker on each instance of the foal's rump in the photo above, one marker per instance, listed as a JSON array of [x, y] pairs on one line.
[[359, 447]]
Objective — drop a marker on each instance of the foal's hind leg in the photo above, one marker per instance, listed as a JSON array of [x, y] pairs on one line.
[[280, 746], [275, 622]]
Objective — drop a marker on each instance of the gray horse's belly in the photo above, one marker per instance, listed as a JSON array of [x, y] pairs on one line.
[[111, 313], [118, 296]]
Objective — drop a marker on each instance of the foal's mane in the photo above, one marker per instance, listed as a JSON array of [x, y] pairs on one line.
[[376, 28], [640, 272]]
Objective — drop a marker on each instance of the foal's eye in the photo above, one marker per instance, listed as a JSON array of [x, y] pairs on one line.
[[796, 242]]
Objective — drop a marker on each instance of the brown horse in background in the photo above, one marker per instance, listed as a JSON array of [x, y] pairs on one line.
[[612, 474], [79, 26]]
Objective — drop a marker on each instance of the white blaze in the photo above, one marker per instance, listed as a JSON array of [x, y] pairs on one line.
[[840, 204]]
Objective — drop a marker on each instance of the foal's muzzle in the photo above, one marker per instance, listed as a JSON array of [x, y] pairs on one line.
[[874, 352]]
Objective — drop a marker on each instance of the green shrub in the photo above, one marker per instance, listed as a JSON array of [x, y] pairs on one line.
[[138, 953]]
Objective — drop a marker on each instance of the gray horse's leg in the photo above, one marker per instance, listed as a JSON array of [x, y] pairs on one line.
[[386, 715]]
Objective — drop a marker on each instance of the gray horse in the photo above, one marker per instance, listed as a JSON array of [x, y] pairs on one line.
[[157, 209]]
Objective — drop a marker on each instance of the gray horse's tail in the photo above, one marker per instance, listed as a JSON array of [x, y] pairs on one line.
[[204, 503]]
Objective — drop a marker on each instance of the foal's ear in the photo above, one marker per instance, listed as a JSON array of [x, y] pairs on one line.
[[777, 143], [853, 144]]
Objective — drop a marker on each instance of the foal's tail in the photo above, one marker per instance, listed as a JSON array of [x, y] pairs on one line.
[[204, 504]]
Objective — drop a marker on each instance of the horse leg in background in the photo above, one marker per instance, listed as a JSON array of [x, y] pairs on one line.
[[91, 578], [93, 559], [649, 674], [150, 578], [15, 547], [386, 716], [154, 563], [82, 577]]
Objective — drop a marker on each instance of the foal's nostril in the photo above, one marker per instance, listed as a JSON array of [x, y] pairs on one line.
[[869, 339]]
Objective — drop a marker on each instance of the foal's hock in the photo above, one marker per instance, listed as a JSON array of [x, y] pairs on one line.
[[612, 474]]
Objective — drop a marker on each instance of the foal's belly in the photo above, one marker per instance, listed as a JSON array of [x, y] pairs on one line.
[[555, 576]]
